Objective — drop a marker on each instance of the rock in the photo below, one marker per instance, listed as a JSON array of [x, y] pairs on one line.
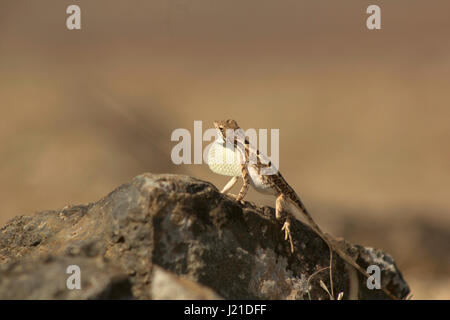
[[168, 286], [46, 278], [175, 237]]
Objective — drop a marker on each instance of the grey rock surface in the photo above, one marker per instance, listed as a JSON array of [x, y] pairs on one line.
[[166, 236]]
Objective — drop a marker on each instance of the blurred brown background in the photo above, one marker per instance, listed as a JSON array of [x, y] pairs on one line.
[[364, 115]]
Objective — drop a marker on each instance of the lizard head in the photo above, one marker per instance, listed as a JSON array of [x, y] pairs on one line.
[[223, 125], [228, 131]]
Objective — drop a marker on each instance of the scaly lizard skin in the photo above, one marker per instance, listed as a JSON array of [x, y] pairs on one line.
[[233, 144]]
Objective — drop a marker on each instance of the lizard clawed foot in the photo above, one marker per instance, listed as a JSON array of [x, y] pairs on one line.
[[287, 233]]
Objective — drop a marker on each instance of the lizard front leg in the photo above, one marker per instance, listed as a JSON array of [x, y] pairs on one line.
[[245, 185], [229, 185], [280, 207]]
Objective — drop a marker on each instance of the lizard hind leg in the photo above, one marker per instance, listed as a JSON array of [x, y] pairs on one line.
[[280, 207], [244, 188]]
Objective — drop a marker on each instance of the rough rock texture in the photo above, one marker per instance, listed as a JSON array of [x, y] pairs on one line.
[[175, 237]]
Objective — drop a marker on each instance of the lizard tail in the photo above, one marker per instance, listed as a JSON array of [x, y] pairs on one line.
[[331, 244]]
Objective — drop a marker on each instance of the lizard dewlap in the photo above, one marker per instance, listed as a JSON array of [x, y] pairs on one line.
[[224, 161]]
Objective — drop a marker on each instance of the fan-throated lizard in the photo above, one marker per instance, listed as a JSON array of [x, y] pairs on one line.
[[232, 144]]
